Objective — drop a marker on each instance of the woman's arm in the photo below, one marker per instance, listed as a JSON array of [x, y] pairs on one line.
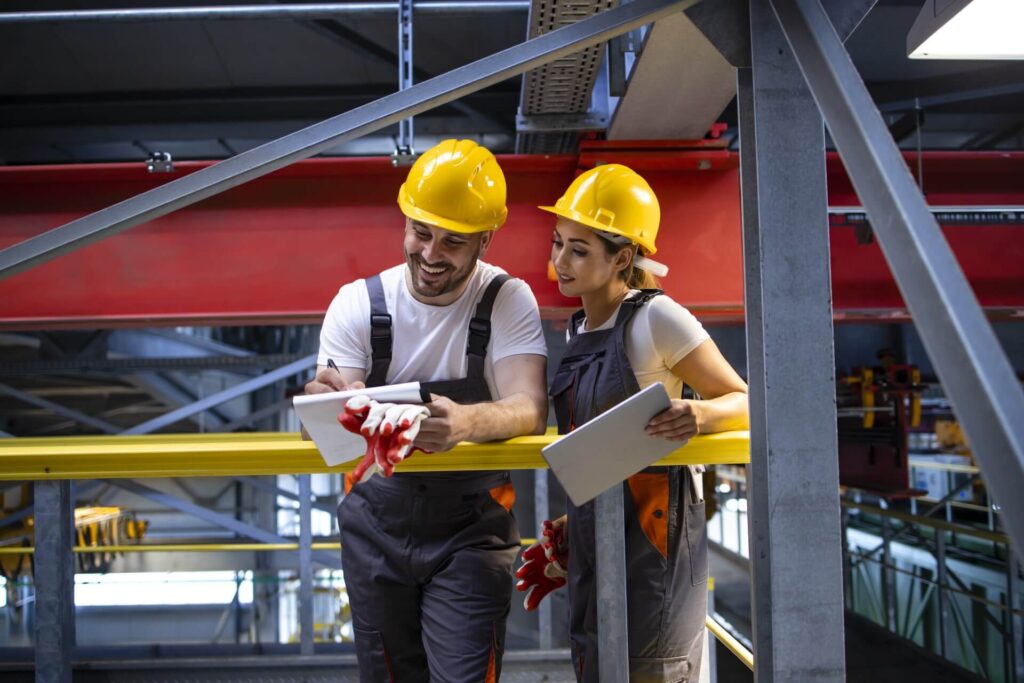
[[723, 402]]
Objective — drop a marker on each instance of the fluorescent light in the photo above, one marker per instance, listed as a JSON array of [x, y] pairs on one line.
[[968, 29]]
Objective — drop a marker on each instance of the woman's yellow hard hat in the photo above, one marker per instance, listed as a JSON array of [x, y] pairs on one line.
[[456, 185], [616, 199]]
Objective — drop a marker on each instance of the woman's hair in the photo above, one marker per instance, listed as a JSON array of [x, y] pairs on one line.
[[635, 278]]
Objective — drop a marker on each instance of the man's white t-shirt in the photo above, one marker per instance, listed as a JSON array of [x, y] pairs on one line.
[[660, 335], [429, 342]]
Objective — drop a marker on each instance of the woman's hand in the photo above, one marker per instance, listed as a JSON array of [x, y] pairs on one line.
[[677, 423]]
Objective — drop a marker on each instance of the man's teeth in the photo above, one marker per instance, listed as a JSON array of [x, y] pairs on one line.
[[432, 271]]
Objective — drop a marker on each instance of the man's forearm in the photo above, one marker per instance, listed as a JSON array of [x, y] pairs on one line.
[[514, 415]]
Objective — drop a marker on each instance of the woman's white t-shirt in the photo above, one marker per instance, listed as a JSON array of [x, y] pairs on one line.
[[660, 335]]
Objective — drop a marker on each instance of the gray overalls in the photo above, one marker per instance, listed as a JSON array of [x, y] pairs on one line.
[[666, 543], [428, 558]]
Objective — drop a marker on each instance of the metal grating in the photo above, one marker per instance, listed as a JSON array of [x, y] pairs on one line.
[[563, 86]]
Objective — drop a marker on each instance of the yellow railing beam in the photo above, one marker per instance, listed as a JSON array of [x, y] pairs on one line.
[[734, 646], [193, 547], [258, 453]]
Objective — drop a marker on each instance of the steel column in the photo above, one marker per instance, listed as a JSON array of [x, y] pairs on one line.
[[794, 529], [541, 512], [405, 70], [54, 582], [239, 389], [612, 633], [225, 521], [305, 567], [978, 378], [326, 134]]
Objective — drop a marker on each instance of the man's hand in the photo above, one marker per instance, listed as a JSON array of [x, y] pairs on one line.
[[329, 379], [677, 423], [446, 426]]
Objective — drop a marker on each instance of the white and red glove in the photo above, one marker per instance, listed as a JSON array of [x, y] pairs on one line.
[[389, 430], [545, 564]]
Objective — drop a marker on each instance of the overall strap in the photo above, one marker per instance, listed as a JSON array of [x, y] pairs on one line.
[[480, 328], [380, 333], [574, 322], [628, 309]]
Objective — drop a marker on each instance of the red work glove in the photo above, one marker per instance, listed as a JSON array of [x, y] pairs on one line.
[[389, 430], [544, 565]]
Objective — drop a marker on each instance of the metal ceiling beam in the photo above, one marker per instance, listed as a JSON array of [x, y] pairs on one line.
[[229, 523], [240, 389], [726, 24], [63, 411], [296, 11], [322, 136], [973, 368], [343, 35]]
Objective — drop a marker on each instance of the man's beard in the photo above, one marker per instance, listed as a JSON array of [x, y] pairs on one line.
[[450, 281]]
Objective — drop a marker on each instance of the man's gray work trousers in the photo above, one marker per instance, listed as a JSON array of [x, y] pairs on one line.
[[428, 569]]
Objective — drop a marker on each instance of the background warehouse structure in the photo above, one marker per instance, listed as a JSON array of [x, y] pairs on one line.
[[742, 114]]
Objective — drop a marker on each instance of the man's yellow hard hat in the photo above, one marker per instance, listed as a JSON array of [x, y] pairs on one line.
[[456, 185], [613, 198]]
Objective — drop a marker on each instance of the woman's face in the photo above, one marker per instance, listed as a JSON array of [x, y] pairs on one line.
[[581, 261]]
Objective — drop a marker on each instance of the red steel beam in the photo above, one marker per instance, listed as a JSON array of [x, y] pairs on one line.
[[276, 250]]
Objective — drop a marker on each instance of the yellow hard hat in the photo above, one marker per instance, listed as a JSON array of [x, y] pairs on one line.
[[613, 198], [456, 185]]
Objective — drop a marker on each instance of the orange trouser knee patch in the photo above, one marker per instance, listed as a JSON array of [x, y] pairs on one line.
[[650, 494]]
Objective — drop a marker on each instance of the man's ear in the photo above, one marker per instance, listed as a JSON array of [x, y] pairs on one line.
[[485, 241]]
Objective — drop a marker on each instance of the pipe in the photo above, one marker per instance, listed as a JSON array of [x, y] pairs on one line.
[[298, 11]]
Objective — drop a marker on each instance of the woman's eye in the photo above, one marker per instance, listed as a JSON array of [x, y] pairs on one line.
[[579, 253]]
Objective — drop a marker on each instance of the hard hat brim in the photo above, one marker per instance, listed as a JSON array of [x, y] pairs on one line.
[[582, 219], [418, 214]]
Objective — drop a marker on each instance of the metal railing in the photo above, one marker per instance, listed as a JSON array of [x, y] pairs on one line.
[[52, 461], [948, 587]]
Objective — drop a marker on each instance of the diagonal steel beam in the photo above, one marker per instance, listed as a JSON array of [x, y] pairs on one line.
[[223, 396], [971, 364], [269, 487], [322, 136], [265, 412], [229, 523], [64, 411]]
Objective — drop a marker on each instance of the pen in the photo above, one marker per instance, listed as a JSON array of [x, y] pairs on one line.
[[332, 366]]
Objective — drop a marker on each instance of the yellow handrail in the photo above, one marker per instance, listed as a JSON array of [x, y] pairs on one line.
[[734, 646], [193, 547], [259, 453]]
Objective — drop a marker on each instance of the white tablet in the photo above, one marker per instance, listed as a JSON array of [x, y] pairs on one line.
[[611, 447]]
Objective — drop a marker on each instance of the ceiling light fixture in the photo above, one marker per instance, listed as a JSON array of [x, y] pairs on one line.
[[968, 29]]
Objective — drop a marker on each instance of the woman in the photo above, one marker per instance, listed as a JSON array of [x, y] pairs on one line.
[[628, 336]]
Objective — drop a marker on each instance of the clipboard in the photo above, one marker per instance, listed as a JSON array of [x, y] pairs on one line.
[[319, 415], [611, 447]]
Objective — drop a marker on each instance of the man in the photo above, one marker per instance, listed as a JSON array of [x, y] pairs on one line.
[[428, 558]]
